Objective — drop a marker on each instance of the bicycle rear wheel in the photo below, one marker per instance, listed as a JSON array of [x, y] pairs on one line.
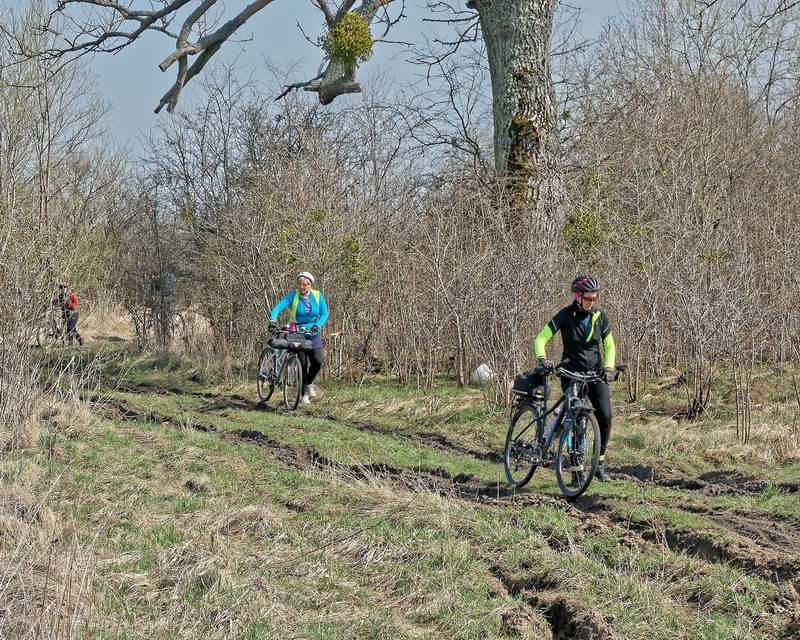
[[48, 334], [265, 378], [578, 455], [521, 449], [292, 375]]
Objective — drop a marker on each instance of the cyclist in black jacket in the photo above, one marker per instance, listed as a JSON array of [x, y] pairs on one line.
[[588, 346]]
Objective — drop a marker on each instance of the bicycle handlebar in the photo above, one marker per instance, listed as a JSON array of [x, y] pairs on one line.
[[286, 329], [588, 376]]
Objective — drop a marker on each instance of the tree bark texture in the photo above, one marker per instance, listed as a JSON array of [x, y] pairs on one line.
[[527, 149]]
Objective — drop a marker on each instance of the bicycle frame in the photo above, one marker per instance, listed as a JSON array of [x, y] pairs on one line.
[[55, 327], [284, 354], [572, 402], [278, 357]]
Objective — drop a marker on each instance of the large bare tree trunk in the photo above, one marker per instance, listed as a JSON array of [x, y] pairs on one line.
[[517, 34]]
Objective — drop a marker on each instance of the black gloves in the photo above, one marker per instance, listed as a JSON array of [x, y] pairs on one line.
[[546, 364], [609, 376]]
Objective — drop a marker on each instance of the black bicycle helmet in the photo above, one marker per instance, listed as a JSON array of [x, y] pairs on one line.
[[586, 284]]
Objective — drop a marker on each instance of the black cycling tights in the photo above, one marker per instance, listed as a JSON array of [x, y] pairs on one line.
[[312, 361], [600, 398]]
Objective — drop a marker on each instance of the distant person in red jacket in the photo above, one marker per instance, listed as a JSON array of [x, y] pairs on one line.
[[67, 302]]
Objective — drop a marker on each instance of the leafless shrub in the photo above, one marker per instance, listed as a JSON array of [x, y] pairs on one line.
[[681, 175]]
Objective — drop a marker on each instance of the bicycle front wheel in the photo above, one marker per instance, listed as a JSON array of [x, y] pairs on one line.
[[521, 448], [177, 327], [44, 337], [265, 378], [292, 375], [578, 455]]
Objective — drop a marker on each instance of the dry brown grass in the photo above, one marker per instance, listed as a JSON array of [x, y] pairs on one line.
[[46, 572], [21, 399], [250, 520], [105, 319]]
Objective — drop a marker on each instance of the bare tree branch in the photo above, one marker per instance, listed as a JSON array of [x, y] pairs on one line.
[[322, 5], [102, 28], [334, 79]]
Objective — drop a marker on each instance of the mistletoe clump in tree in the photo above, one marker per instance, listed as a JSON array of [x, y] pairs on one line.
[[349, 42]]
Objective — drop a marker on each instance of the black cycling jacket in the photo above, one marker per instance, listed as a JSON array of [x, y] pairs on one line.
[[586, 335]]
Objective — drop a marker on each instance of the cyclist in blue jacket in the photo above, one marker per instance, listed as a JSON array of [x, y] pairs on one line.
[[309, 312]]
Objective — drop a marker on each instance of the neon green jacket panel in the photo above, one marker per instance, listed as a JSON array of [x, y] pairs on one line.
[[541, 339], [609, 351]]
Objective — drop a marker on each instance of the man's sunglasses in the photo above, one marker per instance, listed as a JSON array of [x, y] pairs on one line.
[[589, 298]]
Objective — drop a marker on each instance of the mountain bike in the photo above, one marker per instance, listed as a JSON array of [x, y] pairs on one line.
[[53, 330], [279, 365], [573, 429]]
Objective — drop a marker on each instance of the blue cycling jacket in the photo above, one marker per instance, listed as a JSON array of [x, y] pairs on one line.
[[298, 313]]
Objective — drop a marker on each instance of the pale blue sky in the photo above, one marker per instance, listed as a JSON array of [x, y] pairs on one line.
[[133, 84]]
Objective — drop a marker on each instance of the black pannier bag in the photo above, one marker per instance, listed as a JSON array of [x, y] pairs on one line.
[[294, 341], [528, 382], [278, 343]]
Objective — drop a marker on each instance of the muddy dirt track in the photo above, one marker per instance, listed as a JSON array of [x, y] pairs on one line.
[[765, 545]]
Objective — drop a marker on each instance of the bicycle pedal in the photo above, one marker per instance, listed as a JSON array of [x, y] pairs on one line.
[[527, 453], [534, 455]]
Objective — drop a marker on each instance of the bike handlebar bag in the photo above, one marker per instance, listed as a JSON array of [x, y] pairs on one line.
[[278, 343], [527, 382], [298, 341]]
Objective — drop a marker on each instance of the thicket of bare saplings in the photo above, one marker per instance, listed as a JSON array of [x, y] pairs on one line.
[[56, 190], [685, 197], [680, 141], [680, 155]]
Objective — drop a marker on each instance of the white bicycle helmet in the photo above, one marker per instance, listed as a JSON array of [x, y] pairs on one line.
[[306, 275]]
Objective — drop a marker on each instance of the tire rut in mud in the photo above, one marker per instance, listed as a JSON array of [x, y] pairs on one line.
[[219, 403], [718, 482], [214, 402], [753, 544], [439, 480], [463, 485], [568, 618], [713, 483], [470, 488], [573, 619], [425, 438]]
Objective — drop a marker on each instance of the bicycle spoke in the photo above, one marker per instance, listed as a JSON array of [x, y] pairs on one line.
[[578, 454], [521, 456], [266, 378]]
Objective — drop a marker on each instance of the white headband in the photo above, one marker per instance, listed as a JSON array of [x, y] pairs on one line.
[[306, 275]]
